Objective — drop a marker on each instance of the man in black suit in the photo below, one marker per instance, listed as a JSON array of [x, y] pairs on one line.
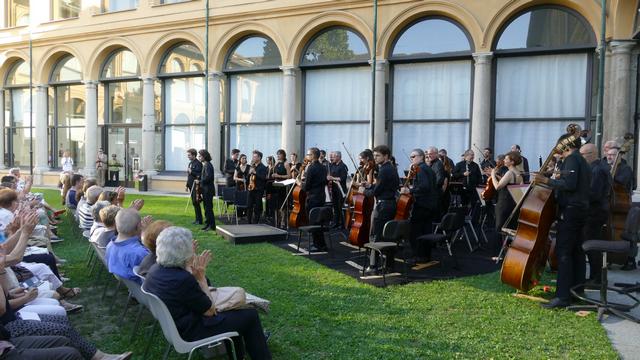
[[194, 170], [314, 181], [230, 167], [258, 172], [468, 172]]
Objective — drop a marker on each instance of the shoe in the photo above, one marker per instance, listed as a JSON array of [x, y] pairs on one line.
[[371, 270], [206, 228], [313, 248], [197, 222], [125, 356], [63, 279], [556, 303], [267, 335], [71, 308], [55, 239], [630, 265], [59, 212]]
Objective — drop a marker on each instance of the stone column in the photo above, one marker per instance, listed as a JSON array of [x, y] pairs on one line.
[[620, 120], [147, 157], [481, 111], [39, 133], [379, 111], [290, 138], [2, 144], [214, 139], [91, 129]]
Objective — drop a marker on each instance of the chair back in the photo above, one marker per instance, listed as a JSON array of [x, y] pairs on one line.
[[320, 216], [632, 226], [220, 189], [229, 194], [136, 271], [168, 326], [452, 222], [242, 199], [396, 231], [135, 291]]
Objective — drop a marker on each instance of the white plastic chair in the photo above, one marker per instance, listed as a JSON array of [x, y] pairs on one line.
[[162, 314]]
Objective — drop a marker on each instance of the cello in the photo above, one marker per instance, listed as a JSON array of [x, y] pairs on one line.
[[620, 203], [489, 191], [405, 201], [362, 209], [527, 255], [298, 215]]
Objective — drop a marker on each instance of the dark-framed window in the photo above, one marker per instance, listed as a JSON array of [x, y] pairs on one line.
[[65, 9], [120, 77], [542, 80], [431, 68], [67, 115], [18, 131], [253, 119], [336, 79]]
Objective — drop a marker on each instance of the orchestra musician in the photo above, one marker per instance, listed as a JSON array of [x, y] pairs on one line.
[[281, 172], [384, 191], [230, 167], [294, 165], [338, 173], [447, 165], [269, 189], [258, 179], [436, 165], [524, 166], [487, 163], [314, 180], [323, 158], [194, 170], [572, 196], [241, 177], [502, 177], [207, 186], [468, 172], [598, 214], [425, 207]]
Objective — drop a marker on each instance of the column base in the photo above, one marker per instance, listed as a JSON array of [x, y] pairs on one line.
[[38, 175]]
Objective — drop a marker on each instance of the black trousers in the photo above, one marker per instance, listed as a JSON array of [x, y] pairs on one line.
[[592, 230], [571, 259], [337, 201], [254, 206], [318, 238], [421, 223], [197, 207], [42, 348], [207, 200], [469, 197], [114, 176], [384, 211]]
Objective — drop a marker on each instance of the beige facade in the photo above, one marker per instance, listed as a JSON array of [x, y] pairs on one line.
[[151, 29]]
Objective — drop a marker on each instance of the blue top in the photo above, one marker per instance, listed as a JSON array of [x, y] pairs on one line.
[[123, 256], [71, 199]]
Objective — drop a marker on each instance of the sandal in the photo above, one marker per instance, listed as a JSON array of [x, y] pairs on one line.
[[71, 308], [69, 293]]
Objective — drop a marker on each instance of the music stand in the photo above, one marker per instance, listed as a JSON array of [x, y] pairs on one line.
[[286, 183]]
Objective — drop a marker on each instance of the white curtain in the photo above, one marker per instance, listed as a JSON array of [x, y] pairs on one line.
[[178, 139], [340, 94], [256, 97], [452, 136], [330, 137], [184, 101], [536, 138], [247, 138], [546, 86], [433, 90]]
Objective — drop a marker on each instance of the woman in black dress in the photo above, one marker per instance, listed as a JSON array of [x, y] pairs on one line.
[[241, 177], [504, 201], [207, 186]]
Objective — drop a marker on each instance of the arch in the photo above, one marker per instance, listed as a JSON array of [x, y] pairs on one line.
[[589, 10], [321, 22], [51, 57], [163, 44], [231, 37], [448, 10], [8, 59], [102, 51]]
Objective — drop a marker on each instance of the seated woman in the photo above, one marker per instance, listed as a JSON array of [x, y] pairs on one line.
[[178, 279], [149, 236]]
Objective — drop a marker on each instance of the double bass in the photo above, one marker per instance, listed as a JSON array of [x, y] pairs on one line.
[[620, 203], [405, 201], [527, 255], [298, 215], [362, 209]]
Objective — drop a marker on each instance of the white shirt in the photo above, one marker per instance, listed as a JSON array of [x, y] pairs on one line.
[[6, 217], [67, 164]]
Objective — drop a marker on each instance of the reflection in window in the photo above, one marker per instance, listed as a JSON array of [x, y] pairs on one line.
[[18, 14], [117, 5], [67, 69], [182, 57], [254, 52], [546, 28], [125, 100], [122, 63], [19, 74], [335, 45], [64, 9], [17, 131], [431, 37]]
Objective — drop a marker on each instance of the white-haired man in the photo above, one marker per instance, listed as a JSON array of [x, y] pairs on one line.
[[126, 251]]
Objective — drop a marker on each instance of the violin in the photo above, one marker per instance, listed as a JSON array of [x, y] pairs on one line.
[[252, 179], [197, 189], [405, 201], [490, 191]]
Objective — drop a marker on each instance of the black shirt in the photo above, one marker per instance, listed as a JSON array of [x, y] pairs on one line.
[[280, 168], [261, 177], [600, 187], [340, 170], [387, 183], [207, 180], [438, 169], [424, 188], [469, 182], [229, 170], [315, 181], [193, 172], [572, 188]]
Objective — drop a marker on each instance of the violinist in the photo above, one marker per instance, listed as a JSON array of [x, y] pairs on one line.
[[323, 158], [338, 173], [269, 190], [447, 166], [314, 180], [241, 177], [280, 172], [207, 186], [230, 167], [294, 165], [501, 179], [487, 163], [258, 179], [384, 191], [194, 170], [425, 207], [468, 172], [572, 196]]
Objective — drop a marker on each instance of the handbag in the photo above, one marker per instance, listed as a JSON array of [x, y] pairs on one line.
[[228, 298]]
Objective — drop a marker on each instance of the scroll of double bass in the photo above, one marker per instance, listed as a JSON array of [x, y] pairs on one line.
[[619, 202], [527, 256]]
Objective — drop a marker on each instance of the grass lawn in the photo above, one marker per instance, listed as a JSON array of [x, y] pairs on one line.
[[318, 313]]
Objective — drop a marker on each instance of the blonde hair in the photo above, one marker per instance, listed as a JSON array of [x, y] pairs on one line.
[[150, 234]]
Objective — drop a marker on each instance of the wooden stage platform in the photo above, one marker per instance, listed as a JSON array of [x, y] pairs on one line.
[[250, 233]]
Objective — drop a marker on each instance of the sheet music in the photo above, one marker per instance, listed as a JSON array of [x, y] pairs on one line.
[[285, 182]]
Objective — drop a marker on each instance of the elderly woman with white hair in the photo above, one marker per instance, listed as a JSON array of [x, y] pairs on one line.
[[178, 279]]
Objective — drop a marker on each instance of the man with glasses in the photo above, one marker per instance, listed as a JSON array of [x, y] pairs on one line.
[[314, 181]]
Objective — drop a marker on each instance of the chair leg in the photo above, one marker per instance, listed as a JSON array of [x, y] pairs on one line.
[[167, 352], [115, 294], [124, 312], [136, 324], [299, 239], [153, 332]]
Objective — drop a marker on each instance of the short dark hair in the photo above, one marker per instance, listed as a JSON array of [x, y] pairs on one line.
[[315, 152], [75, 179], [517, 146], [382, 149], [322, 152], [235, 151], [259, 153], [281, 152], [366, 154], [7, 197], [8, 179], [205, 155], [192, 152], [489, 149]]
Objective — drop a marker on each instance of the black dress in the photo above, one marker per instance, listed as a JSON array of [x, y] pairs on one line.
[[504, 203]]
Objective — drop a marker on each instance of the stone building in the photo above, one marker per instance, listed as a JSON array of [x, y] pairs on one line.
[[136, 78]]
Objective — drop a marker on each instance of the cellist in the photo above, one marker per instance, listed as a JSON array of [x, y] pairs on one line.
[[572, 195], [425, 207]]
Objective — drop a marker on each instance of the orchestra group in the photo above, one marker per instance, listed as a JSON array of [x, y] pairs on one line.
[[581, 183]]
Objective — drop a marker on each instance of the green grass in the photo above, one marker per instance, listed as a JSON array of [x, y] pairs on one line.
[[318, 313]]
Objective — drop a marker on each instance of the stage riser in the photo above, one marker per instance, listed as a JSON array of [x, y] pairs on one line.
[[250, 233]]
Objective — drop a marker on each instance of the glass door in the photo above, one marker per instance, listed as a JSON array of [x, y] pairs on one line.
[[124, 147]]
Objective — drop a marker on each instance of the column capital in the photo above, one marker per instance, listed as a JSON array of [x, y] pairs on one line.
[[381, 64], [483, 57], [215, 75], [91, 83], [148, 78], [622, 46], [289, 70], [41, 87]]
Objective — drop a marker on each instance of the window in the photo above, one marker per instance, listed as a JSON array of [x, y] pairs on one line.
[[538, 94], [118, 5], [183, 85], [255, 95], [337, 91], [64, 9], [67, 109], [432, 74], [123, 88], [18, 119], [17, 13]]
